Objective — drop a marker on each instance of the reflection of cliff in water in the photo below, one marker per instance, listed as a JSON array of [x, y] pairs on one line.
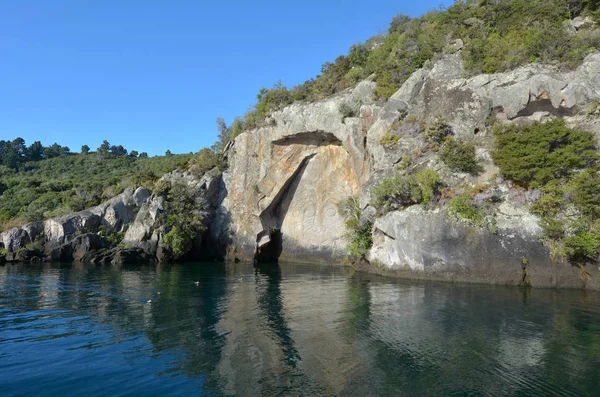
[[307, 330]]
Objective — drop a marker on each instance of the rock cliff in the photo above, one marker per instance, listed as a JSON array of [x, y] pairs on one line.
[[285, 179], [124, 229], [278, 198]]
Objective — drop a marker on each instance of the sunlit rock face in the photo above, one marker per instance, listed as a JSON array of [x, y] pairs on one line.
[[285, 180]]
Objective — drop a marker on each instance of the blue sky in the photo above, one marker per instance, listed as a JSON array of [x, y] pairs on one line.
[[153, 75]]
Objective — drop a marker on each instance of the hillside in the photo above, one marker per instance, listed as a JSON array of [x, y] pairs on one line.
[[493, 36], [60, 182]]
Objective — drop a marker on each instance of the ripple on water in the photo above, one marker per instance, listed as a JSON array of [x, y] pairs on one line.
[[291, 330]]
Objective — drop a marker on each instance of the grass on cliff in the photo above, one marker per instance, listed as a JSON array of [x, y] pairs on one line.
[[38, 190], [497, 36]]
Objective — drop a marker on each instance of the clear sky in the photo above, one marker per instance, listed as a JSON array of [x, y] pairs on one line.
[[153, 75]]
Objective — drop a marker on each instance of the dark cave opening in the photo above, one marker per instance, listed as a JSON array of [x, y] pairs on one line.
[[271, 251]]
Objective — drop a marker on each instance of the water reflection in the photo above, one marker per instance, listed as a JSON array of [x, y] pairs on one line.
[[289, 330]]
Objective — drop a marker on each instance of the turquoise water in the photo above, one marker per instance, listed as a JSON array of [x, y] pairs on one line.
[[213, 329]]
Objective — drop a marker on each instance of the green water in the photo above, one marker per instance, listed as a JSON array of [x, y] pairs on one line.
[[214, 329]]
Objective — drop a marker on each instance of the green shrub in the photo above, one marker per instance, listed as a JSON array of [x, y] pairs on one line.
[[583, 247], [358, 231], [460, 156], [585, 191], [593, 108], [553, 228], [184, 218], [396, 192], [205, 160], [437, 131], [462, 206], [404, 190], [112, 237], [161, 187], [389, 139], [405, 162], [532, 155], [429, 182], [552, 200], [347, 110]]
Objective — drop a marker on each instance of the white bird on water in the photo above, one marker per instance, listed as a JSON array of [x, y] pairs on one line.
[[149, 301], [197, 283]]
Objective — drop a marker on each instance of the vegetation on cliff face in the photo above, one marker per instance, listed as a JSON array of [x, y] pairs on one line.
[[358, 228], [563, 163], [184, 218], [34, 189], [401, 190], [494, 36]]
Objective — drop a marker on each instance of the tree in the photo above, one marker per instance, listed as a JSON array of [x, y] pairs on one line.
[[20, 149], [85, 149], [35, 152], [223, 133], [104, 148], [54, 150], [168, 153], [143, 155], [133, 153], [9, 156], [118, 150]]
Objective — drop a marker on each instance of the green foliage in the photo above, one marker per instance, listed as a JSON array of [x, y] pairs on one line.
[[405, 162], [161, 187], [112, 237], [206, 160], [437, 131], [585, 192], [389, 139], [358, 55], [497, 35], [72, 182], [358, 231], [533, 155], [582, 247], [460, 156], [429, 183], [593, 109], [462, 206], [3, 253], [404, 190], [186, 211], [347, 110], [563, 163]]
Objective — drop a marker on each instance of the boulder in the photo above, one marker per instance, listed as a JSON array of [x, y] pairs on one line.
[[14, 239], [432, 244]]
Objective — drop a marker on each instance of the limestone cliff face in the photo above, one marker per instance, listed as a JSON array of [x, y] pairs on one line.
[[284, 181]]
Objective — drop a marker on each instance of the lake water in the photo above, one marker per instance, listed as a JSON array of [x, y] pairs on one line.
[[214, 329]]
